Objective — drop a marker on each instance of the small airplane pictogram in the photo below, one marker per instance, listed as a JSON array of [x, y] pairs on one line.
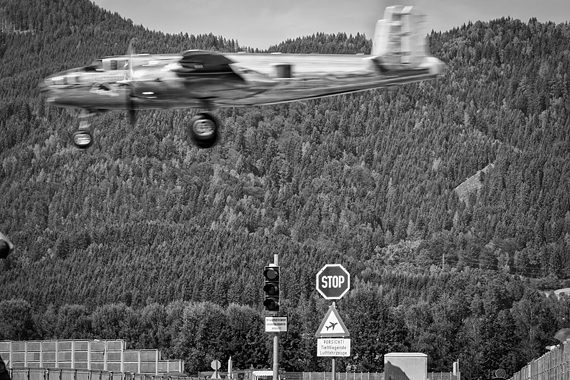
[[332, 325]]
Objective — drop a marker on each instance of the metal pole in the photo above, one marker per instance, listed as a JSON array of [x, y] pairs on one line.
[[333, 375], [458, 371], [275, 356], [276, 336]]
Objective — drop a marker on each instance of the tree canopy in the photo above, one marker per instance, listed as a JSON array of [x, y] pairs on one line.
[[146, 238]]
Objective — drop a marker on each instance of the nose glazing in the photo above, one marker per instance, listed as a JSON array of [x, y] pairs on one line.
[[49, 86], [62, 79], [45, 85]]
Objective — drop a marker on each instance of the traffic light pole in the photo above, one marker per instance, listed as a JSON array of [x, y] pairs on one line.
[[275, 356], [271, 274], [276, 337]]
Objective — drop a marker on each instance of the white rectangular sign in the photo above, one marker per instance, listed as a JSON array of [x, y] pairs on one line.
[[333, 347], [275, 324]]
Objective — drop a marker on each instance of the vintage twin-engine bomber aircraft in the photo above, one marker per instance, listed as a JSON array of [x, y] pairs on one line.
[[207, 79]]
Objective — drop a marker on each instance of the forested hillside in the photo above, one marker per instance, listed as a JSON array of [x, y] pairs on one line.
[[146, 238]]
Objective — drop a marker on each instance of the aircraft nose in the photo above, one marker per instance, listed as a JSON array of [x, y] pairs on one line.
[[63, 78], [49, 86], [43, 86]]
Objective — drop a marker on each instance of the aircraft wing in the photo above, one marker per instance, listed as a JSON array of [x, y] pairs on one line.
[[212, 76], [200, 63]]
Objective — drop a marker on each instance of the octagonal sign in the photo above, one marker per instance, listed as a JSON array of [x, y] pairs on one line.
[[333, 281]]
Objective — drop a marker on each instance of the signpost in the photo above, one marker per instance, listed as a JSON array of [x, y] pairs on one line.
[[333, 282], [332, 325], [333, 347], [276, 324], [215, 366]]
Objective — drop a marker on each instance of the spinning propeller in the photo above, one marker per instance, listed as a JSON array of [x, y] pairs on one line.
[[131, 104]]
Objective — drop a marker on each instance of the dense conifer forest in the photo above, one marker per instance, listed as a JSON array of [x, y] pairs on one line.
[[448, 201]]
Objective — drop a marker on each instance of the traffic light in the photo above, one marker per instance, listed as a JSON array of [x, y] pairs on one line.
[[271, 288], [6, 247]]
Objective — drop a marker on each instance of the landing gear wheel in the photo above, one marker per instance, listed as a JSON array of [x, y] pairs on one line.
[[204, 130], [82, 139]]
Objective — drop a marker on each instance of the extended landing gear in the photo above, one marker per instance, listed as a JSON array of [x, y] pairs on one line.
[[204, 130], [83, 138]]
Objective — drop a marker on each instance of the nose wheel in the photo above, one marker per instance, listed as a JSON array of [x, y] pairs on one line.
[[83, 137]]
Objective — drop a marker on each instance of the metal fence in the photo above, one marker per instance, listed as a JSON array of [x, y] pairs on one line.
[[341, 376], [84, 354], [79, 374], [441, 376], [363, 376], [554, 365]]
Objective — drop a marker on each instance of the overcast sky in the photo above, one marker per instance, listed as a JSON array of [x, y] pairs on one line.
[[261, 23]]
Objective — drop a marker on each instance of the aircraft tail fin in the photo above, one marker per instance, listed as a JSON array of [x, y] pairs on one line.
[[400, 41]]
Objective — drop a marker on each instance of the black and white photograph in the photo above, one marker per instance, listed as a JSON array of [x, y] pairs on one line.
[[284, 190]]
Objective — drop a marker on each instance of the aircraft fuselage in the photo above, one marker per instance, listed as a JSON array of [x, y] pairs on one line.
[[159, 81]]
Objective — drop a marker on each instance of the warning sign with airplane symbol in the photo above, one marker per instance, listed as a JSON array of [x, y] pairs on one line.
[[332, 325]]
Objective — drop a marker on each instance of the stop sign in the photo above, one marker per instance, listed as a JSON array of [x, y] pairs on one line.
[[333, 281]]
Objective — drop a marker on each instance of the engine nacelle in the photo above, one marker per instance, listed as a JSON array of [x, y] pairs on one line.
[[149, 89]]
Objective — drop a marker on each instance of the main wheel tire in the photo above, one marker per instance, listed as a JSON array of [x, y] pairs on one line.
[[204, 130], [82, 139]]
